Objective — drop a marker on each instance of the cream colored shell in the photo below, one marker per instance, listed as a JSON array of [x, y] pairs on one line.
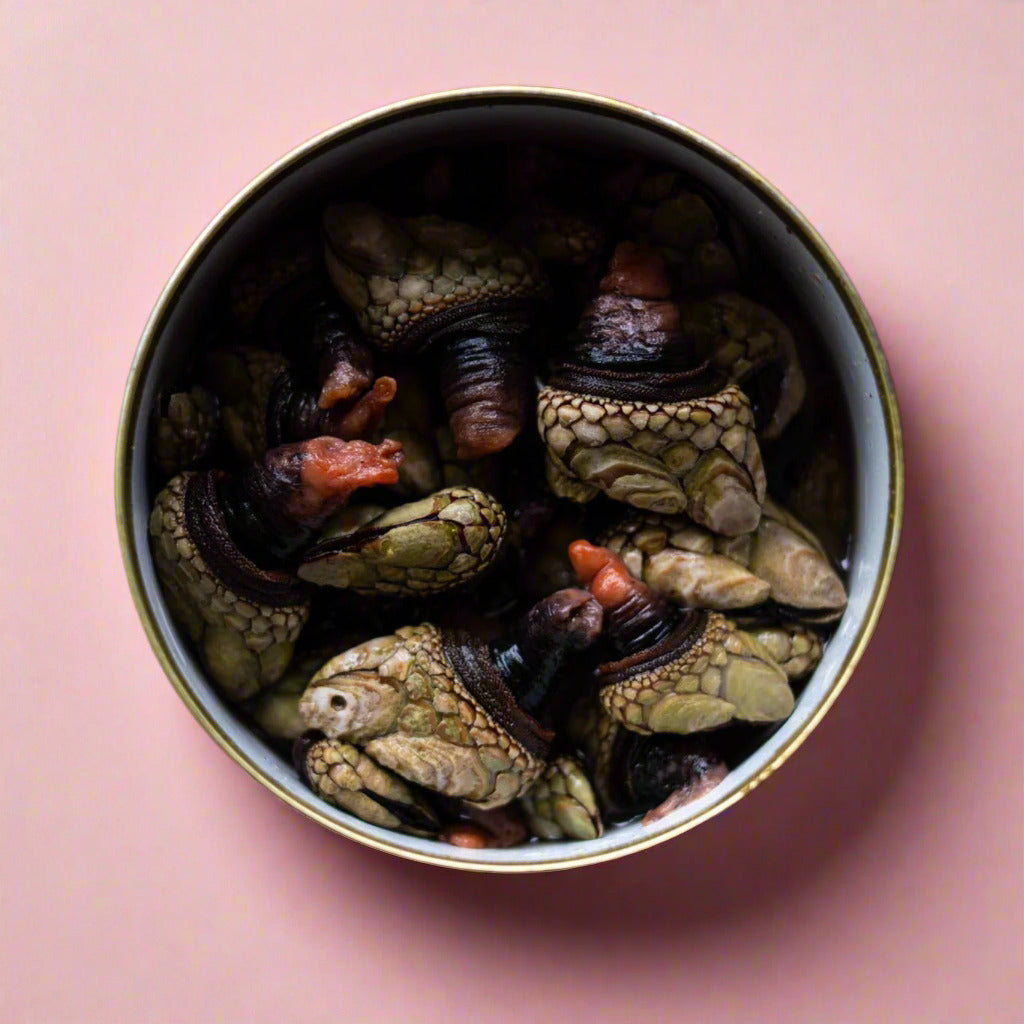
[[419, 720]]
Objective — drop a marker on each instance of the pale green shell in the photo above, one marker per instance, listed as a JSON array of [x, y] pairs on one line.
[[724, 674], [561, 804], [797, 648], [423, 547]]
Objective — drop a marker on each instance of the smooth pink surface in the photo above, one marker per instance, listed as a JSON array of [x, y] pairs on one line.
[[877, 877]]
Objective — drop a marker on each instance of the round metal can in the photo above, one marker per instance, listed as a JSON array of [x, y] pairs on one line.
[[827, 298]]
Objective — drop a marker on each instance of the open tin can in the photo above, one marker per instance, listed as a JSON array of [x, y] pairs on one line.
[[317, 171]]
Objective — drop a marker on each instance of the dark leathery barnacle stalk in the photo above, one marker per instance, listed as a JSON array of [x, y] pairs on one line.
[[328, 340], [530, 656], [484, 379]]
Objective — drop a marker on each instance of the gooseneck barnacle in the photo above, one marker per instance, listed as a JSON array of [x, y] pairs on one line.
[[266, 402], [678, 672], [781, 562], [222, 544], [442, 709], [632, 412], [425, 283], [422, 547]]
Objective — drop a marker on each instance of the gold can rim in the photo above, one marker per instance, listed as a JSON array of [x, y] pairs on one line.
[[377, 118]]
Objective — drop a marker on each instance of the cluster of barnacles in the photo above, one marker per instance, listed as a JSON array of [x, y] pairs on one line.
[[472, 505]]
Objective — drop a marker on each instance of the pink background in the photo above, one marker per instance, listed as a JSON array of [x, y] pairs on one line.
[[878, 876]]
